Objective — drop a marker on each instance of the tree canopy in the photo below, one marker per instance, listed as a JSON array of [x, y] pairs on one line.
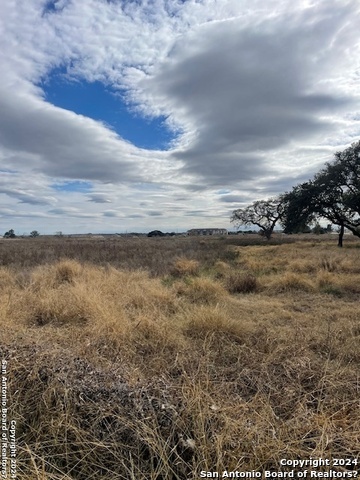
[[333, 194], [10, 234], [263, 213]]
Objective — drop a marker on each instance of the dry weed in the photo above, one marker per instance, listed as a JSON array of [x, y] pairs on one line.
[[184, 266], [290, 282], [203, 320], [7, 279], [113, 375], [239, 282], [201, 290]]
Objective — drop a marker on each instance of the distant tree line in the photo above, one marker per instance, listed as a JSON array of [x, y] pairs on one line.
[[11, 234], [333, 194]]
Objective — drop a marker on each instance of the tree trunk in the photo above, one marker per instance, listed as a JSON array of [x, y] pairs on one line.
[[341, 235], [267, 233]]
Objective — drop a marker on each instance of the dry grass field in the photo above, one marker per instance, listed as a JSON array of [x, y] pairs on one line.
[[156, 359]]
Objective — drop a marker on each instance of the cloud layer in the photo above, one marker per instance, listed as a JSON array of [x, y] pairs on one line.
[[259, 93]]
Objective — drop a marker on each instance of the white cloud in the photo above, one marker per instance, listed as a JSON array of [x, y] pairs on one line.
[[263, 91], [245, 91]]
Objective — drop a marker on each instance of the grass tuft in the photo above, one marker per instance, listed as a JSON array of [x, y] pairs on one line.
[[291, 282], [238, 282], [184, 266], [201, 290]]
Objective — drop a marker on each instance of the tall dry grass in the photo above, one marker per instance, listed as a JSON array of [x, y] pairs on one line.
[[225, 364]]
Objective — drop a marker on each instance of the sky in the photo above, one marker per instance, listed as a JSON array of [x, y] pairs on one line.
[[135, 115]]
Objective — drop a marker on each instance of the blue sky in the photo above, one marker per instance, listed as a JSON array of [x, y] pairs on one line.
[[72, 186], [168, 114], [100, 102]]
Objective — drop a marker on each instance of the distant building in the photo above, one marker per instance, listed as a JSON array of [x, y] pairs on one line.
[[207, 231]]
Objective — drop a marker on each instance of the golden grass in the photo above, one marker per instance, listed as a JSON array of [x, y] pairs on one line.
[[201, 290], [289, 282], [184, 266], [240, 282], [114, 374]]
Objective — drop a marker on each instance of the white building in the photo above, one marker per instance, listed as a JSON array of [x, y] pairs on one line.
[[207, 231]]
